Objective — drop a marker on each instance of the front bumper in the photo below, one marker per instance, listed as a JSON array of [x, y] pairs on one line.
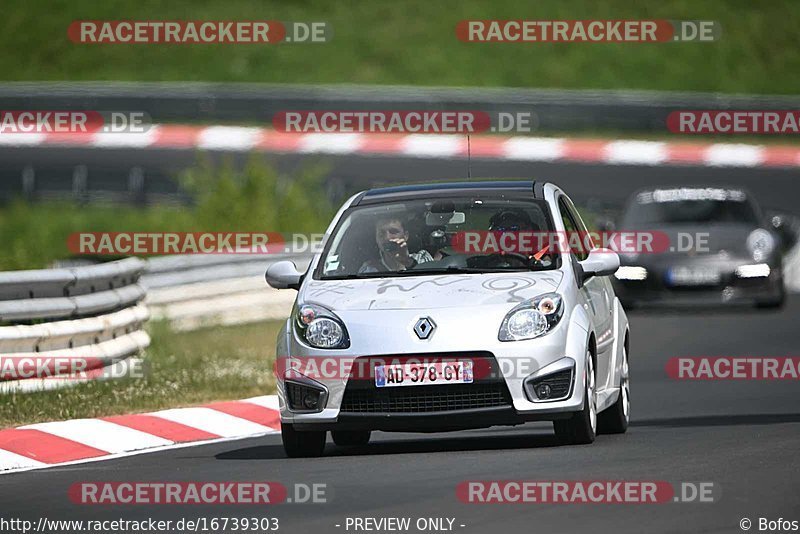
[[730, 290], [496, 397]]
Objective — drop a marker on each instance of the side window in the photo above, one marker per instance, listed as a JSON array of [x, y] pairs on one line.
[[585, 234], [575, 233]]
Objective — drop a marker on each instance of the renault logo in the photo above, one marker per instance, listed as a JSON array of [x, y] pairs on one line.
[[424, 327]]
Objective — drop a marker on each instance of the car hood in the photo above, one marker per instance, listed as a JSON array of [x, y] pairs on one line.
[[429, 292]]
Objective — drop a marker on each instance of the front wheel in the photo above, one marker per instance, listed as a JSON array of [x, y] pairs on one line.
[[581, 428], [302, 444], [615, 419]]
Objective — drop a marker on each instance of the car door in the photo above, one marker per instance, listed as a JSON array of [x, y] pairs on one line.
[[597, 294]]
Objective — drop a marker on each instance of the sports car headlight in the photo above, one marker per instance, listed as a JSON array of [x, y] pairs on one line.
[[532, 318], [320, 327], [760, 243]]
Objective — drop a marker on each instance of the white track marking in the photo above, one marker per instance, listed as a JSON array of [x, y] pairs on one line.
[[101, 435], [212, 421], [534, 148]]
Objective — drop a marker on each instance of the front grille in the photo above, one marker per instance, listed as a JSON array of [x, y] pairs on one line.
[[422, 399]]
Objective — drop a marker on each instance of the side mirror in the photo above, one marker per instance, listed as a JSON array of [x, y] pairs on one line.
[[283, 275], [601, 262]]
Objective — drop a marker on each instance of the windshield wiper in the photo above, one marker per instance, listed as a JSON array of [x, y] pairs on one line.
[[358, 276], [454, 270]]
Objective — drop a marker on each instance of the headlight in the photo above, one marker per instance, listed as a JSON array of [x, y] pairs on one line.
[[532, 318], [631, 272], [760, 243], [320, 327]]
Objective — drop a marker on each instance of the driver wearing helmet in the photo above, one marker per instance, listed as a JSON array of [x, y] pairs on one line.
[[516, 220]]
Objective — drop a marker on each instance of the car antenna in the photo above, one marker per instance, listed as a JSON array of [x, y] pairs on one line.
[[469, 159]]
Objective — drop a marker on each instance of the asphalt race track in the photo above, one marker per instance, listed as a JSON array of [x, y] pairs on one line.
[[744, 436], [775, 188]]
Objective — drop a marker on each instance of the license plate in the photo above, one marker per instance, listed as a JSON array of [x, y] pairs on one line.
[[693, 276], [423, 374]]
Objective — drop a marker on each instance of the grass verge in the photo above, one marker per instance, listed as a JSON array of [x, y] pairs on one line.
[[414, 42], [183, 369], [251, 198]]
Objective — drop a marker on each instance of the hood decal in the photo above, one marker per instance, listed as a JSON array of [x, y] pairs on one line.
[[426, 292]]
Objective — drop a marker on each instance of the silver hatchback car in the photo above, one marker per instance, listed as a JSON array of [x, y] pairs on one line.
[[441, 307]]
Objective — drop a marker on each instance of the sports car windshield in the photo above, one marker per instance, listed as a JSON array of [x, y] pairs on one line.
[[448, 235], [690, 206]]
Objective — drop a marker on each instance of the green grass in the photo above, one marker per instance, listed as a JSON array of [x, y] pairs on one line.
[[254, 198], [413, 42], [182, 369]]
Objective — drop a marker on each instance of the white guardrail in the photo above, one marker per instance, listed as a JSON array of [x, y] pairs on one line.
[[205, 290], [96, 314], [91, 314]]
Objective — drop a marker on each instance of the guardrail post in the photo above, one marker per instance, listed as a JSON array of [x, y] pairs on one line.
[[79, 183], [28, 182], [136, 185]]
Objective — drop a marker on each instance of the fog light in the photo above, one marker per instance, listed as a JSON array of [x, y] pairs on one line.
[[553, 386], [304, 397], [311, 400], [543, 391]]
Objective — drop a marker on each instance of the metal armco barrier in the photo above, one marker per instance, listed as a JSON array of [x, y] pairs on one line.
[[552, 109], [92, 313], [204, 290], [97, 313]]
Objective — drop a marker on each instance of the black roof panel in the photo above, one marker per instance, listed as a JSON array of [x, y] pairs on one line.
[[447, 188]]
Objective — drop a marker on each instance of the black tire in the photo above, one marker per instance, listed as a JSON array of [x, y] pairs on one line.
[[615, 418], [773, 304], [302, 444], [581, 428], [351, 438], [777, 301]]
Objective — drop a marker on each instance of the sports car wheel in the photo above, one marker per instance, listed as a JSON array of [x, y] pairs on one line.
[[302, 444], [351, 438], [614, 420], [774, 303], [581, 428]]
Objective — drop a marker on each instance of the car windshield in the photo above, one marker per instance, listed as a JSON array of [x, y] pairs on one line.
[[689, 206], [427, 236]]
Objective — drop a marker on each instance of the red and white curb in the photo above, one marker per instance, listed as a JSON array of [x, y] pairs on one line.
[[516, 148], [83, 440]]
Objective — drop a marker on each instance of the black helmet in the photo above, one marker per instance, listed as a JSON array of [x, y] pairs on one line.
[[512, 220]]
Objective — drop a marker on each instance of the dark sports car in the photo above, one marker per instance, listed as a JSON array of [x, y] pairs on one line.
[[721, 250]]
